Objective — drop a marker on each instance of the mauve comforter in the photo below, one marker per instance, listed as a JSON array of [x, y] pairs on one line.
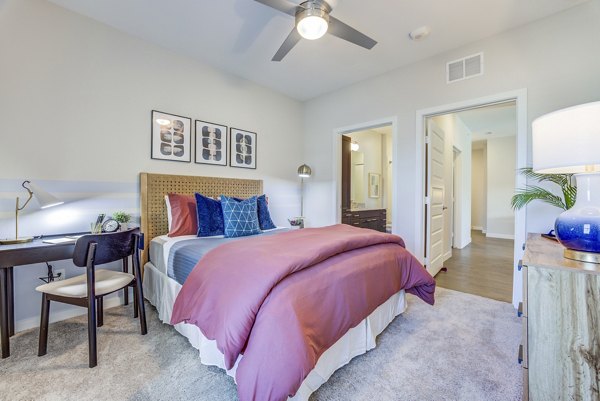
[[283, 300]]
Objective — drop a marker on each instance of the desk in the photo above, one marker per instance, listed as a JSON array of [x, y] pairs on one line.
[[18, 255]]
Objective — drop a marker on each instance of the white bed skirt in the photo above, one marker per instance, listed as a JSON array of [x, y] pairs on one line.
[[161, 291]]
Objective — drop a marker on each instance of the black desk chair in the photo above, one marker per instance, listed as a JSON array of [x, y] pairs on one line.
[[88, 290]]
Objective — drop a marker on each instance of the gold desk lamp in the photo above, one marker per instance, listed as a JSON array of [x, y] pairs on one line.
[[44, 199]]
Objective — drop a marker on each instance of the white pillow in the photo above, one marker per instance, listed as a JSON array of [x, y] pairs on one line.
[[169, 217]]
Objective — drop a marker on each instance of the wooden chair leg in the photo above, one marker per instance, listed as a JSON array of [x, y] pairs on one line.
[[140, 301], [45, 315], [126, 289], [100, 311], [93, 354], [135, 303]]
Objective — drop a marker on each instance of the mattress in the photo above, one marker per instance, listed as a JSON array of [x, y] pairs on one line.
[[161, 291]]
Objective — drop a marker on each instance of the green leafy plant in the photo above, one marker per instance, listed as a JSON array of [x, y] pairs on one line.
[[122, 217], [534, 192]]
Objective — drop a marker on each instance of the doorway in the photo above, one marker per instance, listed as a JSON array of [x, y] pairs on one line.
[[458, 215], [479, 261], [367, 176]]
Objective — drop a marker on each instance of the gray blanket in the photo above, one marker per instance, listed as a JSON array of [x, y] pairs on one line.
[[185, 255]]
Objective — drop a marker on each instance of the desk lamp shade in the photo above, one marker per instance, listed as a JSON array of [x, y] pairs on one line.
[[44, 200], [568, 142]]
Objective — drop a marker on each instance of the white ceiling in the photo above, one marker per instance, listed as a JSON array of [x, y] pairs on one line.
[[499, 120], [241, 36]]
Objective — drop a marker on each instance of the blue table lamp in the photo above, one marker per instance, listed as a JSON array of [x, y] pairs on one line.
[[44, 199], [568, 142]]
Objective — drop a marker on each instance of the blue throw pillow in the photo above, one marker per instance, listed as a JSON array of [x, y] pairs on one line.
[[264, 217], [210, 216], [240, 217]]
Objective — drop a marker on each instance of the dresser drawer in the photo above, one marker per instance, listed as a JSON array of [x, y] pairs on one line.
[[524, 343], [525, 384], [524, 271]]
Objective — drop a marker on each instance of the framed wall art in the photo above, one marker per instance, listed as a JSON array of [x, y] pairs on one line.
[[242, 145], [374, 185], [211, 143], [171, 137]]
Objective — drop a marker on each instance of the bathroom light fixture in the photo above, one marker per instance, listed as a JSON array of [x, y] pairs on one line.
[[354, 146], [44, 199]]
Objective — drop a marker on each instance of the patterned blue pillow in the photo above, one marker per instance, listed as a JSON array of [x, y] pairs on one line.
[[210, 216], [264, 217], [240, 217]]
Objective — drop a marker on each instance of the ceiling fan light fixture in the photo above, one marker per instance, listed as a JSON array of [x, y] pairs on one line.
[[312, 23]]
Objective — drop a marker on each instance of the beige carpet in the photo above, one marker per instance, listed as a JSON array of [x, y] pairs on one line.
[[463, 348]]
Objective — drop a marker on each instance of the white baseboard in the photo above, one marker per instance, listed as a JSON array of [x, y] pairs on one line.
[[447, 255], [28, 323], [502, 236], [478, 228]]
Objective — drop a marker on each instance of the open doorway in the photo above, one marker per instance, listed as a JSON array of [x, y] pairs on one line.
[[366, 182], [471, 158]]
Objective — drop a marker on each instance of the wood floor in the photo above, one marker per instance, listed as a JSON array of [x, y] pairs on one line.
[[484, 267]]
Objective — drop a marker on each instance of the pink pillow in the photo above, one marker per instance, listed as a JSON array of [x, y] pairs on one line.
[[184, 220]]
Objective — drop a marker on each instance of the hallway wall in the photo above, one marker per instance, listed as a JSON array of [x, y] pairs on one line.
[[478, 189], [501, 159]]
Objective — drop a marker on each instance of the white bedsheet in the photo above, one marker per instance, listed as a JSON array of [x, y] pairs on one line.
[[161, 291]]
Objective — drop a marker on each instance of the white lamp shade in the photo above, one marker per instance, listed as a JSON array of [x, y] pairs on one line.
[[43, 198], [567, 141]]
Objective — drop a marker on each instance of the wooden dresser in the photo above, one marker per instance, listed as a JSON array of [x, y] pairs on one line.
[[374, 219], [560, 350]]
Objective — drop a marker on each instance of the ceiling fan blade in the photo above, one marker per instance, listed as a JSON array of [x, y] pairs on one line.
[[346, 32], [281, 5], [289, 42]]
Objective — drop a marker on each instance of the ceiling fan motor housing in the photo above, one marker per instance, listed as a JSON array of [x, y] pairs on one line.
[[313, 9]]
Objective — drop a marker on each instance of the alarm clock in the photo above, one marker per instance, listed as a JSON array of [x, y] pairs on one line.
[[110, 226]]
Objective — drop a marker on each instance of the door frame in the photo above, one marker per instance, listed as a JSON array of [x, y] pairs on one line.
[[520, 97], [337, 159]]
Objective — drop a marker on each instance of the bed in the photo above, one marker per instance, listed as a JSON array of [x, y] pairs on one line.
[[162, 285]]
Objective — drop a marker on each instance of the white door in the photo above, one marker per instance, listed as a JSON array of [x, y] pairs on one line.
[[434, 200]]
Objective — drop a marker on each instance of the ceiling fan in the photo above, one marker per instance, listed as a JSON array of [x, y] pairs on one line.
[[312, 22]]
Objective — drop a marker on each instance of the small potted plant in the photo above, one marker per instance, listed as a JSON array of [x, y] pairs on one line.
[[123, 219]]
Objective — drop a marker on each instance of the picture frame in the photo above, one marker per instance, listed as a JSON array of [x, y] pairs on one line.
[[211, 143], [374, 185], [242, 148], [171, 137]]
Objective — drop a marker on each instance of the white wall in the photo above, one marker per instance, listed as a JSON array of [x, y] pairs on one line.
[[457, 136], [75, 103], [500, 181], [478, 190], [370, 145], [388, 176], [553, 58]]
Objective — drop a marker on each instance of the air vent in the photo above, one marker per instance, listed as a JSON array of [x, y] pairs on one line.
[[467, 67]]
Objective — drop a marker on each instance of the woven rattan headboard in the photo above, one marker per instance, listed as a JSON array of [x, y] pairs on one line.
[[154, 187]]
